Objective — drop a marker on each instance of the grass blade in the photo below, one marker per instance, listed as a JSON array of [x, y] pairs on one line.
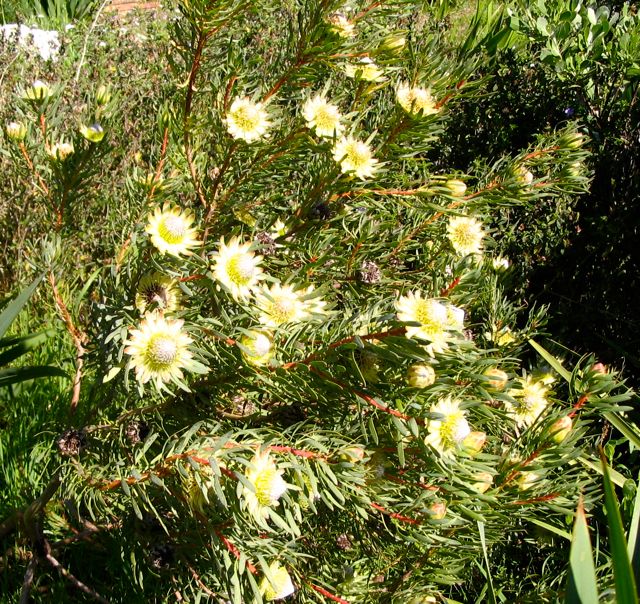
[[15, 306], [483, 541], [627, 429], [622, 573], [632, 542], [547, 356], [13, 375], [582, 587]]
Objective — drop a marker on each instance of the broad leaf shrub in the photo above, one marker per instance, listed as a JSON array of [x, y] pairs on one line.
[[557, 62], [297, 373]]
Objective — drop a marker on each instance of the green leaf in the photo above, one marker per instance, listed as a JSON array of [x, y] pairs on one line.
[[626, 428], [13, 375], [622, 573], [21, 346], [15, 306], [632, 545], [582, 587], [483, 541], [547, 356]]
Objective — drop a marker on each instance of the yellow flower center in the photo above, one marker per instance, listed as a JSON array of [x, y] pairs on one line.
[[282, 309], [241, 268], [172, 229], [325, 118], [424, 314], [246, 118], [465, 235], [263, 483], [358, 155], [162, 351], [453, 430]]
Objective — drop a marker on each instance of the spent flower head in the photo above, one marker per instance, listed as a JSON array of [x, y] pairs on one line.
[[170, 230], [247, 120], [159, 289]]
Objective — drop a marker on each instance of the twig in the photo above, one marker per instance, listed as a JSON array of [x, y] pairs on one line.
[[327, 594], [28, 580], [78, 337], [204, 588], [394, 515], [70, 577]]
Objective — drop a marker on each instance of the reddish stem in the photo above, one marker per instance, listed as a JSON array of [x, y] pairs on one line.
[[327, 594], [395, 515]]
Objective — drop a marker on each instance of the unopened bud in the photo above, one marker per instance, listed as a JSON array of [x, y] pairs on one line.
[[93, 133], [394, 43], [500, 263], [352, 454], [573, 140], [60, 151], [600, 368], [524, 175], [257, 347], [560, 429], [473, 443], [456, 187], [438, 510], [498, 378], [16, 131], [421, 375], [103, 95], [38, 91], [484, 482], [527, 480]]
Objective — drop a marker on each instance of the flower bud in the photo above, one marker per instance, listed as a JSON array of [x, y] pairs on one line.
[[473, 443], [438, 510], [498, 377], [60, 151], [103, 95], [523, 175], [339, 24], [500, 263], [421, 375], [572, 140], [560, 429], [456, 187], [38, 91], [393, 43], [600, 368], [353, 454], [528, 480], [484, 482], [257, 348], [16, 131], [93, 133]]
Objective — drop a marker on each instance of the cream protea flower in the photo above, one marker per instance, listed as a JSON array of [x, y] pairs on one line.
[[431, 317], [170, 230], [322, 116], [446, 433], [159, 289], [355, 156], [529, 401], [257, 347], [280, 304], [237, 268], [268, 485], [415, 100], [342, 26], [466, 235], [279, 587], [159, 350], [366, 69], [60, 151], [455, 317], [247, 120]]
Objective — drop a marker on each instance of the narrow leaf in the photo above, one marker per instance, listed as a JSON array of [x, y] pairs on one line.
[[582, 587], [492, 595], [622, 573], [13, 375], [15, 306], [547, 356]]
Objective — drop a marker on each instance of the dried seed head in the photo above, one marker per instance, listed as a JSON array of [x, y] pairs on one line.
[[268, 244], [369, 272], [71, 442], [162, 556], [137, 431], [343, 542]]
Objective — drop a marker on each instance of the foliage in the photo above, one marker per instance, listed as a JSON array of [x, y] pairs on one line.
[[297, 372]]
